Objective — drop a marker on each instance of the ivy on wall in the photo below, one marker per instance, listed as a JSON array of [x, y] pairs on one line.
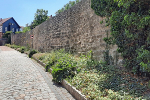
[[130, 29]]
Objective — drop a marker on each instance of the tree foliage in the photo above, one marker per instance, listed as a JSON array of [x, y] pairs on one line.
[[40, 16], [67, 6], [7, 34], [26, 29], [130, 27]]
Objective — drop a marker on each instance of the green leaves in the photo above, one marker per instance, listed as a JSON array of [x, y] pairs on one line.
[[67, 6], [32, 52], [63, 65], [104, 7], [40, 16], [7, 34], [144, 59], [130, 27], [26, 29]]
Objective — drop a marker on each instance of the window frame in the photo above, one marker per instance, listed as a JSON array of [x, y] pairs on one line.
[[13, 30], [6, 29]]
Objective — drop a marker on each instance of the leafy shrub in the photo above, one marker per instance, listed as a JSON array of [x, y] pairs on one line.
[[32, 52], [18, 32], [41, 58], [130, 26], [22, 49], [8, 45], [6, 35], [26, 29], [60, 73], [14, 46], [51, 60], [64, 67]]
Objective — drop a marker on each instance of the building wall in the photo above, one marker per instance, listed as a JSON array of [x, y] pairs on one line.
[[3, 41], [77, 29], [0, 35], [9, 27]]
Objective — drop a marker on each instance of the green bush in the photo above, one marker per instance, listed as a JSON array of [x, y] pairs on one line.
[[8, 45], [31, 53], [14, 46], [7, 34], [64, 67], [26, 29], [130, 26], [22, 49]]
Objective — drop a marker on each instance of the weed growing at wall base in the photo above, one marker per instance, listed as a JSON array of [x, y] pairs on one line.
[[31, 53]]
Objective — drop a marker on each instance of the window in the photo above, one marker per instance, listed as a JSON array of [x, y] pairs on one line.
[[5, 29], [21, 29], [12, 29], [0, 28], [16, 30]]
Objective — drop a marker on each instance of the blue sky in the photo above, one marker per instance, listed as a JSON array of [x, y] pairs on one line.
[[23, 10]]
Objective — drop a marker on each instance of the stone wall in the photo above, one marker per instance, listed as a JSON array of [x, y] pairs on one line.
[[77, 29], [3, 41]]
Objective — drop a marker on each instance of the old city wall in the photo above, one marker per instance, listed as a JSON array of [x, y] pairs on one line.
[[77, 29]]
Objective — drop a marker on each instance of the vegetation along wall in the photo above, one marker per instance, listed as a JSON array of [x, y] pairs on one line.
[[77, 29]]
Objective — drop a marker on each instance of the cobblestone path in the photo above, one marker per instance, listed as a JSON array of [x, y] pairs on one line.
[[24, 79]]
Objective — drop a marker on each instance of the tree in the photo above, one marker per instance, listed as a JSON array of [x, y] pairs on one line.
[[26, 29], [7, 34], [67, 6], [40, 16], [130, 27]]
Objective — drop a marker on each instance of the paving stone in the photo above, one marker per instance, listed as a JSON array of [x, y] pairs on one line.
[[23, 79]]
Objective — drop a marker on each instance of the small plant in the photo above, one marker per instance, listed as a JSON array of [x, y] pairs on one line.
[[108, 58], [14, 46], [101, 22], [64, 67], [32, 52], [41, 58], [8, 45], [22, 49], [49, 65], [6, 35], [28, 47], [18, 32]]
